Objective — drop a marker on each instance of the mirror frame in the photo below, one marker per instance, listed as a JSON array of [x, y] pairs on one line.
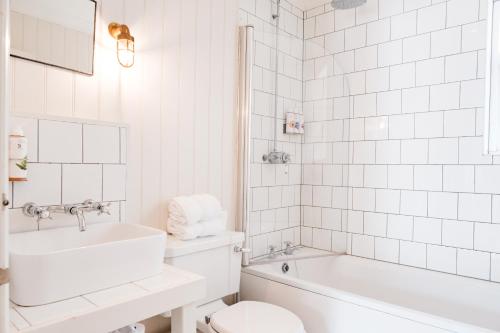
[[69, 69]]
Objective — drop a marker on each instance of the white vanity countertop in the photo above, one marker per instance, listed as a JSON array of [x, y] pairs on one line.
[[110, 309]]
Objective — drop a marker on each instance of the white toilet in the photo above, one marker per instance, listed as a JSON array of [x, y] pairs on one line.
[[216, 259]]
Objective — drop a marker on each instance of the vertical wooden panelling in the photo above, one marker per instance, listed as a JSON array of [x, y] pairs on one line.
[[216, 97], [186, 91], [107, 67], [132, 92], [86, 98], [202, 93], [229, 138], [59, 94], [28, 86], [170, 103], [151, 55], [178, 98]]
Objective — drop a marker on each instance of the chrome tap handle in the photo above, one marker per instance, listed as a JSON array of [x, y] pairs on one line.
[[272, 252], [103, 208], [90, 204], [43, 214], [286, 158], [100, 207], [289, 247], [33, 210]]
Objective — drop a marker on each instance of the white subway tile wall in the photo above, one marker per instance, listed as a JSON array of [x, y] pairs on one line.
[[405, 178], [70, 161]]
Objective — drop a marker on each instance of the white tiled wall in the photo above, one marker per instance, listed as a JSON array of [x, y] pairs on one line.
[[69, 162], [275, 211], [403, 167]]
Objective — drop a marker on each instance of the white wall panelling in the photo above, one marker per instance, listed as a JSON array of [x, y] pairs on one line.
[[178, 100]]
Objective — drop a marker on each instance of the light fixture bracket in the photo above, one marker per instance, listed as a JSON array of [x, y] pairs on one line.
[[117, 30]]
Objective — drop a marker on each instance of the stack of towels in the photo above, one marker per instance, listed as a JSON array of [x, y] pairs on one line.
[[195, 216]]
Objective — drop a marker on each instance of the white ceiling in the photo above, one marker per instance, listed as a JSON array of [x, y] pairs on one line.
[[308, 4]]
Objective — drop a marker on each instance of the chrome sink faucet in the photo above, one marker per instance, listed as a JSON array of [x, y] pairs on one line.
[[87, 206], [33, 210], [78, 212]]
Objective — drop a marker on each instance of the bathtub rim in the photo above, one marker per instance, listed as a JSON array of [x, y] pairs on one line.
[[421, 317]]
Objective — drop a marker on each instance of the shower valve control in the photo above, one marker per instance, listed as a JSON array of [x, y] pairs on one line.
[[276, 157]]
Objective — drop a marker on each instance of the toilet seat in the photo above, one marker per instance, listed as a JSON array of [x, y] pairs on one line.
[[255, 317]]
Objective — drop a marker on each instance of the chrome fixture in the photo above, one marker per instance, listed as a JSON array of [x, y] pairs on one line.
[[239, 249], [5, 200], [32, 210], [277, 14], [285, 268], [289, 248], [276, 157], [244, 133], [41, 213], [347, 4], [272, 252]]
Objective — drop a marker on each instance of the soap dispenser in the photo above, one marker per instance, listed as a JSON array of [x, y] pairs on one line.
[[18, 156]]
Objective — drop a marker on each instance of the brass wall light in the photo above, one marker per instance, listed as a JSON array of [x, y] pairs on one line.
[[125, 49]]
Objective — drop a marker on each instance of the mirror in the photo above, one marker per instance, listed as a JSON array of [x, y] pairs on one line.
[[54, 32]]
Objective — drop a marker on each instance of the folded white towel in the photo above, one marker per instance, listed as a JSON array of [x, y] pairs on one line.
[[184, 210], [210, 205], [210, 227]]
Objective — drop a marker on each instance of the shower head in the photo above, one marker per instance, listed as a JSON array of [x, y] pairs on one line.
[[347, 4]]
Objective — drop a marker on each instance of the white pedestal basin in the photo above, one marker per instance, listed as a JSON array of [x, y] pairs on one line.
[[52, 265]]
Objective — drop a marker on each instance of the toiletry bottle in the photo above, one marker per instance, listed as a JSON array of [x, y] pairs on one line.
[[18, 156]]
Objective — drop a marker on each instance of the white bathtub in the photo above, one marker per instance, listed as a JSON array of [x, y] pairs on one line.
[[346, 294]]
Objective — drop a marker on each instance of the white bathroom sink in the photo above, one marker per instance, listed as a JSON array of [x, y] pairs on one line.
[[52, 265]]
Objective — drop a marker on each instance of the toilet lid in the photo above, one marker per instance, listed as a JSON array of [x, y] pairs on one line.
[[255, 317]]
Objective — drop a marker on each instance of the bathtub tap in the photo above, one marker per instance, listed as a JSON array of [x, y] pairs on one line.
[[272, 252], [289, 248]]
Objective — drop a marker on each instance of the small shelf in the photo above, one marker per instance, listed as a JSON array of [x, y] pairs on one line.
[[107, 310]]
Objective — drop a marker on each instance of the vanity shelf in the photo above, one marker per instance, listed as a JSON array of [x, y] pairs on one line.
[[107, 310]]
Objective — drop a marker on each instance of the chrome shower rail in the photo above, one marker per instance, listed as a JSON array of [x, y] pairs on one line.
[[244, 131]]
